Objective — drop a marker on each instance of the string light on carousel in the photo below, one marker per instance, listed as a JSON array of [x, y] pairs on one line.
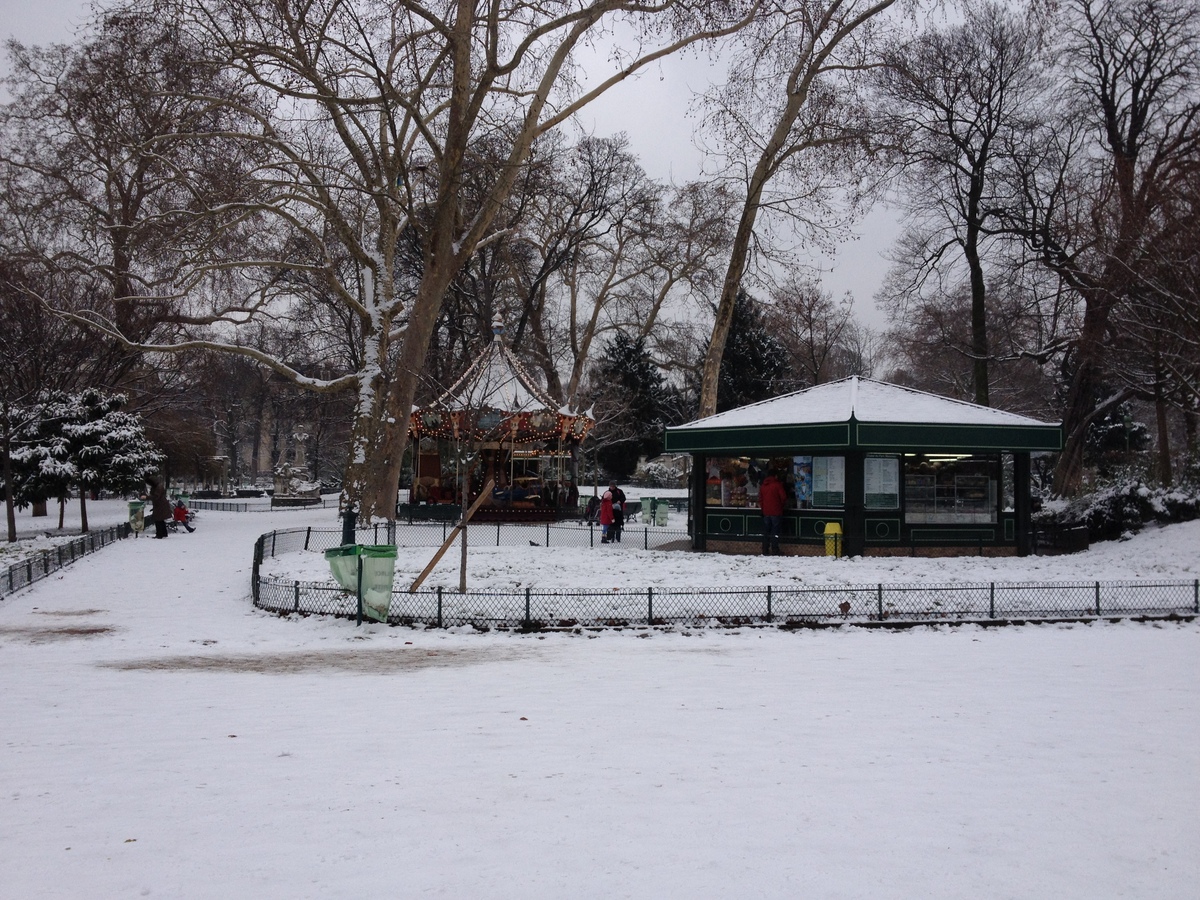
[[498, 417]]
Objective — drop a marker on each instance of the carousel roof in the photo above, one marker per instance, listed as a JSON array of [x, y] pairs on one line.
[[497, 380], [498, 397]]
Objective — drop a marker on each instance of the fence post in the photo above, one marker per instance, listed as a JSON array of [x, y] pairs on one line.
[[1196, 596], [1097, 598], [307, 537], [258, 555], [527, 607], [591, 535], [439, 590], [547, 534], [360, 568], [296, 604], [497, 534], [272, 545], [770, 615], [879, 599], [992, 601], [646, 539], [649, 606]]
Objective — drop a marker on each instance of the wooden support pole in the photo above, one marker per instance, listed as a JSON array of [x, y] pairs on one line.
[[483, 495]]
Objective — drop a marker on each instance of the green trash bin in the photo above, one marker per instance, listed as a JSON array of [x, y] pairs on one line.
[[378, 573], [660, 512], [343, 563], [137, 516]]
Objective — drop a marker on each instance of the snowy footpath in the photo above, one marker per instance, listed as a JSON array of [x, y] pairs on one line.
[[162, 738]]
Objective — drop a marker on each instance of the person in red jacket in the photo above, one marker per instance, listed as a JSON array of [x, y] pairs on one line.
[[772, 498], [606, 517], [180, 515]]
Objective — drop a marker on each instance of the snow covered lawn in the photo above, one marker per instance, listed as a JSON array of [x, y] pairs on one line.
[[162, 738]]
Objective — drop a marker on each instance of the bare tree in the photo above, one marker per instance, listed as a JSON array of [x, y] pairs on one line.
[[365, 119], [105, 179], [950, 99], [783, 117], [819, 334], [1121, 133]]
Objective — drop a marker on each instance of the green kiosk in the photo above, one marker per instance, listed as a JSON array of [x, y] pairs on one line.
[[897, 469]]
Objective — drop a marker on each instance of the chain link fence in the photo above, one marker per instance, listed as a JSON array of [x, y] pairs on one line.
[[533, 609], [47, 562]]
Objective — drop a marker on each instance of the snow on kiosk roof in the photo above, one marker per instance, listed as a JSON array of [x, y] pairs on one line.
[[859, 413]]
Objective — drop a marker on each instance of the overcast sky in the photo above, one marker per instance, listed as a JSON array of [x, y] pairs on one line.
[[651, 110]]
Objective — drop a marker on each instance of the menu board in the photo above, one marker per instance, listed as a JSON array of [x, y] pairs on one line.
[[829, 481], [881, 482]]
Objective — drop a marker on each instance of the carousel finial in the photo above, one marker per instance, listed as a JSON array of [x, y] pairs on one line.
[[497, 326]]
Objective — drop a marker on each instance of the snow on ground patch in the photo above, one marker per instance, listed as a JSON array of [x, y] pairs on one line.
[[1157, 553], [201, 748]]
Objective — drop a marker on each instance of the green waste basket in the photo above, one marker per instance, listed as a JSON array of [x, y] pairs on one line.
[[343, 563], [378, 573], [137, 516], [660, 512]]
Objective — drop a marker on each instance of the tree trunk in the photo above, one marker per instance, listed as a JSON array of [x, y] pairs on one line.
[[1163, 466], [365, 430], [464, 505], [1081, 396], [83, 523], [10, 504], [979, 337], [738, 257], [739, 254]]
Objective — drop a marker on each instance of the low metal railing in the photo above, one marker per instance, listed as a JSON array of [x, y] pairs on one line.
[[530, 608], [46, 562]]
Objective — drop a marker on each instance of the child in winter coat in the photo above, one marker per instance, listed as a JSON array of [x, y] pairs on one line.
[[606, 517], [180, 515]]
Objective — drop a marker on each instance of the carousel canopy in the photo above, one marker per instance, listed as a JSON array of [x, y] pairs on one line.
[[497, 400]]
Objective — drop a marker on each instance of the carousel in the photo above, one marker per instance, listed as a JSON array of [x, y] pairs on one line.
[[497, 426]]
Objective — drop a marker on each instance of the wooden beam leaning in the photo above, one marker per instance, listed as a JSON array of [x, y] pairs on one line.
[[483, 495]]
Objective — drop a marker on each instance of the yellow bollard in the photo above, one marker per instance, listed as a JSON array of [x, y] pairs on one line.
[[833, 539]]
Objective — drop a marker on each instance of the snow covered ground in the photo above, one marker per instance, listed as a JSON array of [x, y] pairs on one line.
[[1157, 553], [163, 738], [42, 534]]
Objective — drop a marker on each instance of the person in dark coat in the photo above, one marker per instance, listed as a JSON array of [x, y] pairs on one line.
[[160, 506], [772, 498], [618, 505]]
